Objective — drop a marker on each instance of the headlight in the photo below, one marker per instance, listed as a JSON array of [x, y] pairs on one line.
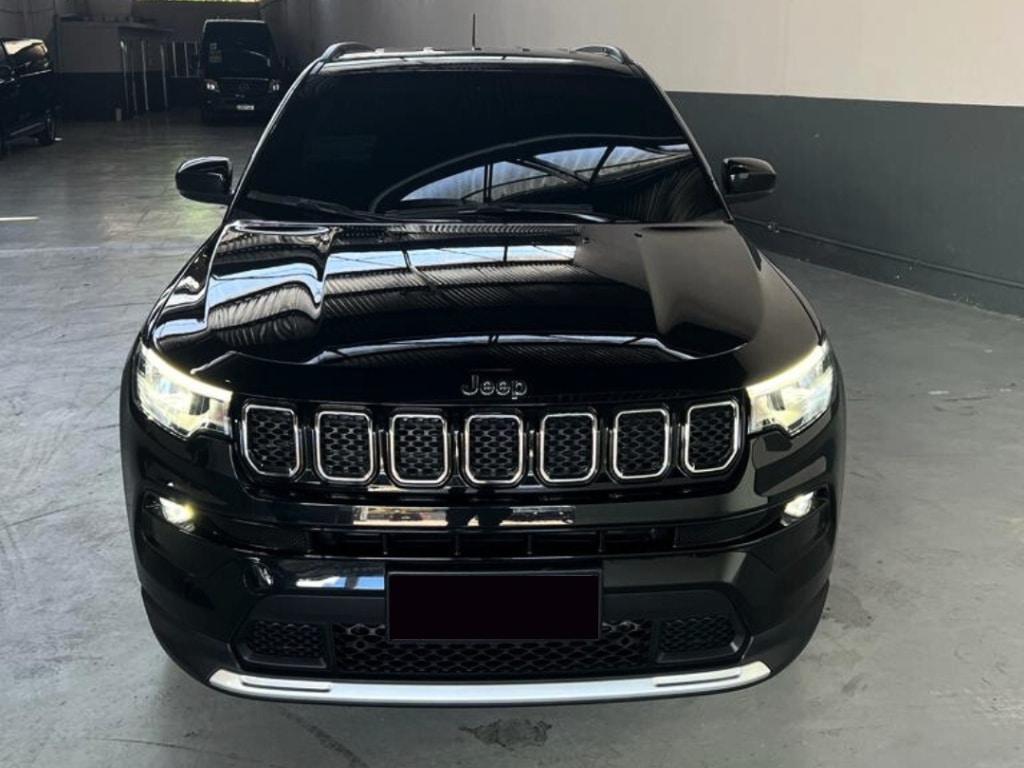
[[275, 86], [211, 85], [797, 396], [177, 402]]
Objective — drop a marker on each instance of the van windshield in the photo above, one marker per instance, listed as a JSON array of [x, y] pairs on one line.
[[238, 49]]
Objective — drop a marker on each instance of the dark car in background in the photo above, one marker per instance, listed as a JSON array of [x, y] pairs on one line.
[[240, 72], [27, 92], [478, 396]]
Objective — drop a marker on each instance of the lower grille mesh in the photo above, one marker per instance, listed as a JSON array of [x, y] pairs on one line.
[[697, 633], [283, 640], [364, 650]]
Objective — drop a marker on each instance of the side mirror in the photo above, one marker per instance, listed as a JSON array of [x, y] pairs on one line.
[[747, 178], [205, 179]]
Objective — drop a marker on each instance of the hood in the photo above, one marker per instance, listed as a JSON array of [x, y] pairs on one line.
[[363, 307]]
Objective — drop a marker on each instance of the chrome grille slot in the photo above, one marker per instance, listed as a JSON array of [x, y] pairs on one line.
[[567, 448], [418, 449], [529, 447], [712, 436], [494, 449], [640, 444], [345, 446], [270, 440]]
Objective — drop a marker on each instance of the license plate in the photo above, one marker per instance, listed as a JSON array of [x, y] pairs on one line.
[[486, 607], [245, 107]]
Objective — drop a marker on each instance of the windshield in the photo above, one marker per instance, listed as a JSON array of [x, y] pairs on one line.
[[525, 142], [237, 49]]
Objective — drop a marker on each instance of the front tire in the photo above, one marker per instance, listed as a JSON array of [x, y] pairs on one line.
[[48, 135]]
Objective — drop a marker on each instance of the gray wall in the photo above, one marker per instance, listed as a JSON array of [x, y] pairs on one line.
[[30, 18], [924, 195], [186, 18]]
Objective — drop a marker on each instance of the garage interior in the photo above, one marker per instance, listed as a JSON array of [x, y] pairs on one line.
[[895, 134]]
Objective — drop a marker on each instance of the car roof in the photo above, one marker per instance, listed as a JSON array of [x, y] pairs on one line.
[[226, 22], [347, 56]]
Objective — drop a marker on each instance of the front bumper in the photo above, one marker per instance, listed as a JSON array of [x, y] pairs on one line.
[[486, 694], [204, 592]]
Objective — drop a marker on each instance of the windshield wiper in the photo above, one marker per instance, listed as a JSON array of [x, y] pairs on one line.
[[434, 209], [319, 206]]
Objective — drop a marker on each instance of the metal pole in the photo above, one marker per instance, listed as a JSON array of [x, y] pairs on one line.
[[163, 73], [25, 18], [124, 74], [135, 80], [174, 58], [145, 77]]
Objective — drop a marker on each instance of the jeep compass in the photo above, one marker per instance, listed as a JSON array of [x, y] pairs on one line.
[[477, 396]]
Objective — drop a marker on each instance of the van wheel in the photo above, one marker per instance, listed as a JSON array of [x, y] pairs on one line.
[[48, 135]]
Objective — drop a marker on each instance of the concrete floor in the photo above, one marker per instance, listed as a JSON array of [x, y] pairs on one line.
[[919, 660]]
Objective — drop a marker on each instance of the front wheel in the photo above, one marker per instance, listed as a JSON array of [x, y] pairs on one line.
[[48, 135]]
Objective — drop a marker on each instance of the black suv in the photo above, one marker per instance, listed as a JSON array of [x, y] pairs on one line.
[[477, 396], [27, 96]]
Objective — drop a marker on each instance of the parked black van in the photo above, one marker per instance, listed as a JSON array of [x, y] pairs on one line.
[[27, 92], [239, 68]]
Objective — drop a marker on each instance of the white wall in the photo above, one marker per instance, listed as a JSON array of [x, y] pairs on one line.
[[187, 18], [946, 51]]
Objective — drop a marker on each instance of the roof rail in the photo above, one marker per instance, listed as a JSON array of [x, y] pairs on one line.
[[338, 50], [611, 51]]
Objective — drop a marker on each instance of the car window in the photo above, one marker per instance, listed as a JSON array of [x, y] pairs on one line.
[[402, 140], [27, 56]]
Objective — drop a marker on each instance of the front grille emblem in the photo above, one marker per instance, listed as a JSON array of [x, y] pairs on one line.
[[477, 387]]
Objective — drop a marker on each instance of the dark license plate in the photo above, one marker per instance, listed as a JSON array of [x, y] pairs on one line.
[[483, 607]]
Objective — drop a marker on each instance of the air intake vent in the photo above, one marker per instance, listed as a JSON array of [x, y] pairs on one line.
[[712, 437], [345, 446], [270, 440], [567, 451], [418, 449], [495, 449], [640, 444]]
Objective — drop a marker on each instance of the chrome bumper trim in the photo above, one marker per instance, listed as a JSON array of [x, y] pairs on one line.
[[474, 694]]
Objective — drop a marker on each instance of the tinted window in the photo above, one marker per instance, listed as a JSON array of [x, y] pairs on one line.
[[415, 143], [238, 49]]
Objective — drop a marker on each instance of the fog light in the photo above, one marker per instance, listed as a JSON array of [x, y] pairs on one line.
[[212, 86], [181, 515], [798, 508]]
